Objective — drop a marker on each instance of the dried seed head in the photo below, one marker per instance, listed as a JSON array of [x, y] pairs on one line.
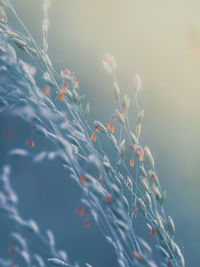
[[120, 118], [142, 170], [145, 245], [149, 156], [87, 111], [145, 184], [57, 262], [138, 129], [163, 198], [134, 139], [129, 183], [140, 117], [107, 166], [171, 225], [116, 91], [32, 51], [156, 192], [159, 220], [114, 141], [19, 42], [138, 83], [148, 200], [75, 97], [153, 177], [142, 207], [122, 149], [126, 204], [125, 104]]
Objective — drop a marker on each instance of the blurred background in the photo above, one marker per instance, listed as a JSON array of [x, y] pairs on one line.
[[158, 39]]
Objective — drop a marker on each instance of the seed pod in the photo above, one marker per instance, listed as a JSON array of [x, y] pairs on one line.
[[120, 118], [148, 200], [114, 141], [125, 104], [107, 166], [142, 170], [145, 245], [126, 204], [142, 207], [163, 252], [116, 91], [149, 156], [159, 220], [39, 261], [10, 33], [134, 138], [4, 2], [122, 225], [20, 43], [93, 163], [138, 129], [33, 51], [153, 177], [57, 262], [107, 67], [116, 190], [100, 127], [163, 197], [75, 97], [140, 117], [47, 60], [18, 152], [87, 111], [179, 255], [171, 225], [122, 149], [129, 184], [119, 183], [121, 177], [137, 256], [138, 83], [144, 184], [51, 238], [69, 94], [156, 192]]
